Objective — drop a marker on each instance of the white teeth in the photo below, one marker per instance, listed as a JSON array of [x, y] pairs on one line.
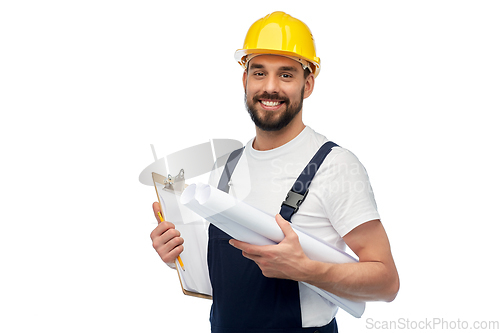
[[267, 103]]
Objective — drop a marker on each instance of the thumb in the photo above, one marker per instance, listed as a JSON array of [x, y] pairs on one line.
[[284, 224], [157, 211]]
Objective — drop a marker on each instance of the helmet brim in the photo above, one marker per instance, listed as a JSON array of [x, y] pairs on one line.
[[241, 54]]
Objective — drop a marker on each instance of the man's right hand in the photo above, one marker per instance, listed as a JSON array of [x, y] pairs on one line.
[[167, 241]]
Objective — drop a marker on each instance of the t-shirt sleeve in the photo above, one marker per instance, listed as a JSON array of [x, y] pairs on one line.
[[347, 194]]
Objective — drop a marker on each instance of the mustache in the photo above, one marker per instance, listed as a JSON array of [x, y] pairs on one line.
[[272, 97]]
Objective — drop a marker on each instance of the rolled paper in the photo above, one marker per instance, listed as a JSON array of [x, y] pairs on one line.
[[248, 224]]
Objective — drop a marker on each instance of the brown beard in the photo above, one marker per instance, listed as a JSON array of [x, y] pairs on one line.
[[266, 122]]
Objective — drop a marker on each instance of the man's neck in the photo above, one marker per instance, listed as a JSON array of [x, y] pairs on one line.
[[267, 140]]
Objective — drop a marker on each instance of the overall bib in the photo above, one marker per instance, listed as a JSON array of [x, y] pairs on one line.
[[244, 300]]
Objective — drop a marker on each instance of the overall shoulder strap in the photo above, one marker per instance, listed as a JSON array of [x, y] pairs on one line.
[[229, 168], [300, 188]]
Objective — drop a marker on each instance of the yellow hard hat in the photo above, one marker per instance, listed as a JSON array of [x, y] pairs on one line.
[[281, 34]]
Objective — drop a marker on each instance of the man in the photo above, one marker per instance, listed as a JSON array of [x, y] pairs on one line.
[[255, 288]]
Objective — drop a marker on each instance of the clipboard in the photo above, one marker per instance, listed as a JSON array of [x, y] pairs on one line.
[[192, 264]]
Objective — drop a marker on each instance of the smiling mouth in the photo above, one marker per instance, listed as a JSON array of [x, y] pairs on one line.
[[270, 104]]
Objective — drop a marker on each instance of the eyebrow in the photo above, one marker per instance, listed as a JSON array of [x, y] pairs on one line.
[[282, 68], [253, 65], [288, 68]]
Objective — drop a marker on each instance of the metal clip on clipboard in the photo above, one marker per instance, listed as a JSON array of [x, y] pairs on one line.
[[170, 183], [176, 183]]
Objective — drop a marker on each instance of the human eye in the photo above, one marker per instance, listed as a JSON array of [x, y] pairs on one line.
[[286, 76]]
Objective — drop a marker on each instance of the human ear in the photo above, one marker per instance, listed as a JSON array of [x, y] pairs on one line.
[[309, 86], [245, 75]]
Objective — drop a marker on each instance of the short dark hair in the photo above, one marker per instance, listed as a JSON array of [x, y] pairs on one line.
[[306, 73]]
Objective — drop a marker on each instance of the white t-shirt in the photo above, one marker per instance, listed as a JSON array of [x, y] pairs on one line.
[[340, 198]]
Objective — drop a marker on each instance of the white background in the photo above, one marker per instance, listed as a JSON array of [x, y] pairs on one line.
[[411, 87]]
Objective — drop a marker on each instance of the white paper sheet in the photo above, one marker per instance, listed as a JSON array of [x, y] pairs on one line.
[[193, 229], [248, 224]]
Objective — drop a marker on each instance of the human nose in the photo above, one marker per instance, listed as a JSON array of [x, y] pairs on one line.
[[271, 85]]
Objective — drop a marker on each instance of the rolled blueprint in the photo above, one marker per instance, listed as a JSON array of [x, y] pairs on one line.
[[248, 224]]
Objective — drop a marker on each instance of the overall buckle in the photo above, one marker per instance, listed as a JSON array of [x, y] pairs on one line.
[[294, 199]]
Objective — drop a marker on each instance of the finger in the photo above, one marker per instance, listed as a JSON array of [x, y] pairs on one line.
[[167, 242], [169, 235], [161, 229], [251, 256], [237, 244], [168, 255], [171, 244], [246, 247]]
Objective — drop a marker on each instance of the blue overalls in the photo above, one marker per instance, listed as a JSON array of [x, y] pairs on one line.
[[244, 300]]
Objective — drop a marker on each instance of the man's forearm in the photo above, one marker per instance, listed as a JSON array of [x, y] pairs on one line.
[[362, 281], [373, 278]]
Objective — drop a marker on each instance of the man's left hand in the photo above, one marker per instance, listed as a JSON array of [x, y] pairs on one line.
[[285, 260]]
